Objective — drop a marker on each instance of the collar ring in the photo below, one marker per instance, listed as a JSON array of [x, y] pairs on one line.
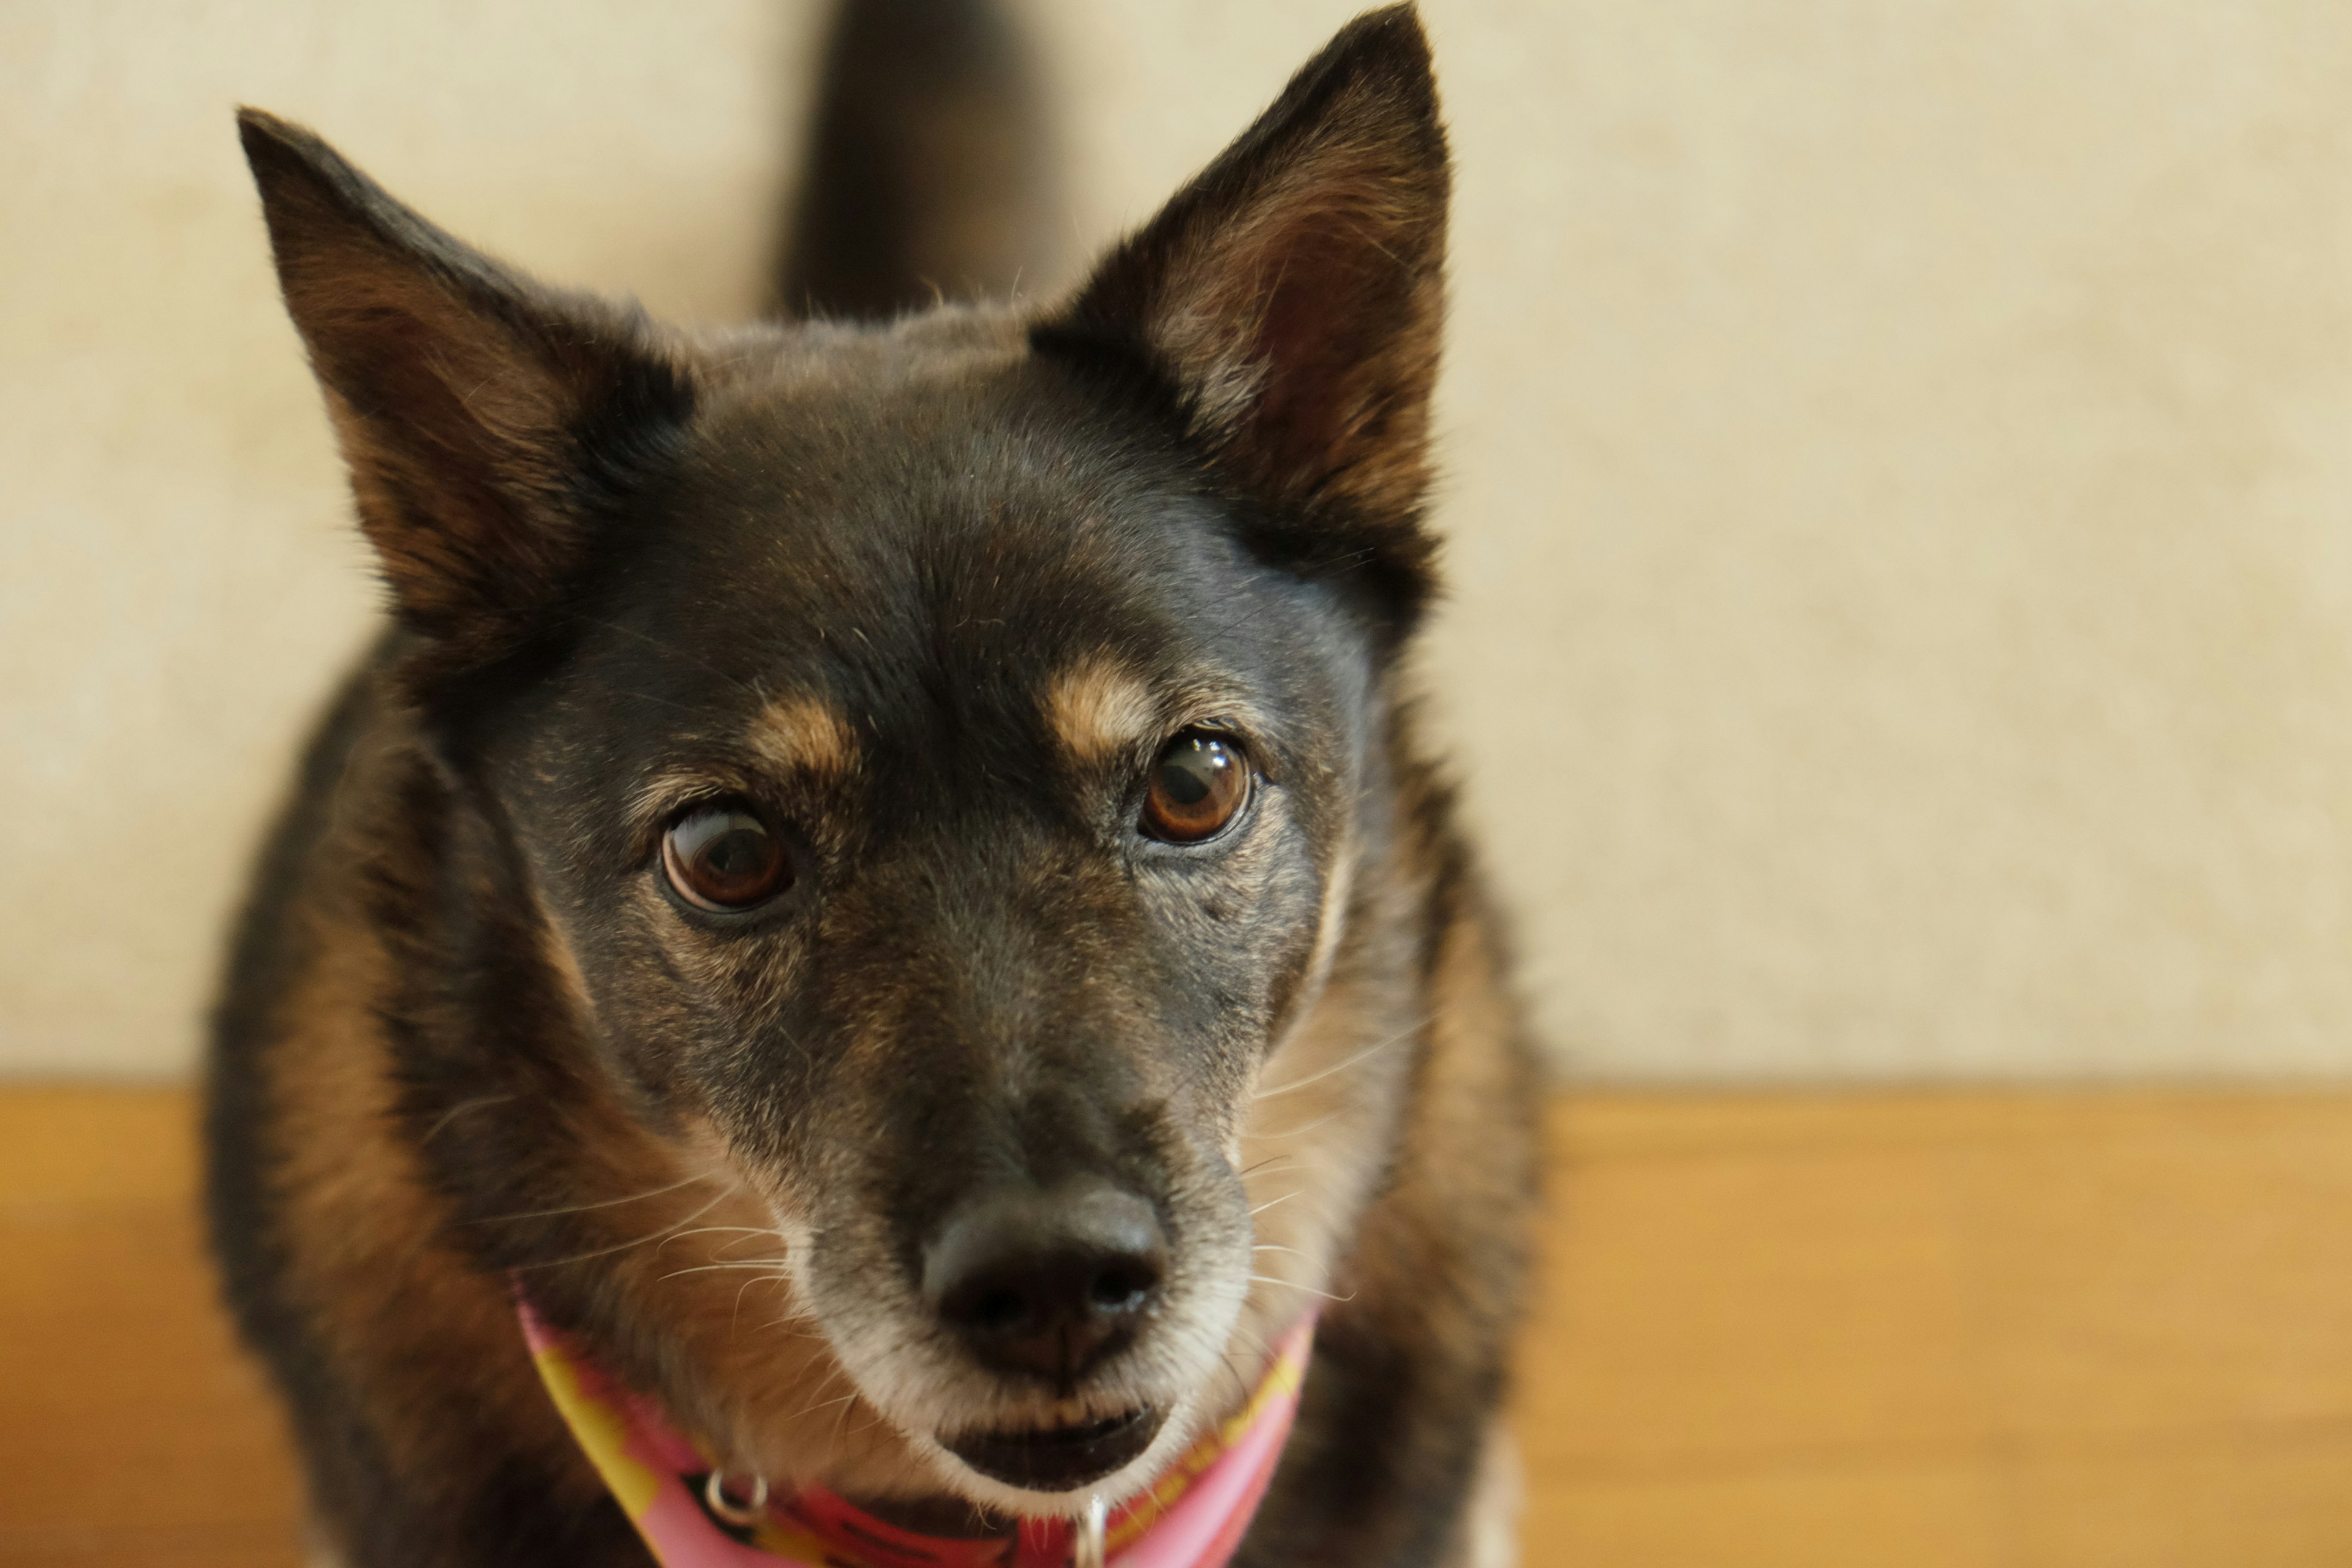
[[1087, 1541], [721, 1501]]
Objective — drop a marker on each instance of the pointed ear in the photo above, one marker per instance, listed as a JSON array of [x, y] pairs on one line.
[[1293, 295], [489, 423]]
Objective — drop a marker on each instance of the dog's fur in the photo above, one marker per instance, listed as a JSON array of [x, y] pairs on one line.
[[929, 595]]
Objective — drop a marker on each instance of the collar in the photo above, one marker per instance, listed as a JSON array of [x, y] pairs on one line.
[[1192, 1517]]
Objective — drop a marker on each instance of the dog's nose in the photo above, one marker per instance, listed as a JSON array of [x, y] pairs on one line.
[[1048, 1282]]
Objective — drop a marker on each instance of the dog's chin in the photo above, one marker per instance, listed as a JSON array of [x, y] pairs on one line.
[[1004, 1447], [1060, 1459]]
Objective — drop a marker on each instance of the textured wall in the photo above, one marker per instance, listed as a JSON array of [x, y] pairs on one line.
[[1900, 501]]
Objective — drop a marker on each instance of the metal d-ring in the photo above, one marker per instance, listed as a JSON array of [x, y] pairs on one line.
[[1087, 1546], [743, 1515]]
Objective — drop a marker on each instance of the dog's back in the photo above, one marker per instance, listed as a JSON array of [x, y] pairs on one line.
[[850, 819]]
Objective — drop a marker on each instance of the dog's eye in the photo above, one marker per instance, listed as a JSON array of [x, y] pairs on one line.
[[1197, 785], [722, 858]]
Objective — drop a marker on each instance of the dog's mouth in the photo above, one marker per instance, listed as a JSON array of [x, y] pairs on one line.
[[1058, 1459]]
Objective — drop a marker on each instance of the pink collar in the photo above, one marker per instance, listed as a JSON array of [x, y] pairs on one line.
[[1193, 1517]]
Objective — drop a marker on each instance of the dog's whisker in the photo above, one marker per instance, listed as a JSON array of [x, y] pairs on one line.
[[604, 1204], [836, 1374], [780, 1326], [677, 1230], [827, 1405], [1256, 1343], [1300, 1131], [1294, 1285], [799, 1312], [662, 1234], [1240, 1383], [766, 1265], [741, 1231], [1344, 1064], [848, 1403], [480, 1103], [735, 1315]]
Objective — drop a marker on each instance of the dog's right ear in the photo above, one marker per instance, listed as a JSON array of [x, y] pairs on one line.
[[1291, 298], [489, 423]]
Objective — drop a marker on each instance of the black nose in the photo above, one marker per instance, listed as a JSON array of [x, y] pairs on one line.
[[1048, 1281]]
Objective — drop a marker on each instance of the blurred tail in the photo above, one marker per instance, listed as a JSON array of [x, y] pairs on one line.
[[928, 164]]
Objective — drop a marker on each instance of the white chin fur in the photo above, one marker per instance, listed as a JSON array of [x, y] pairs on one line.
[[1185, 1418], [1192, 1346]]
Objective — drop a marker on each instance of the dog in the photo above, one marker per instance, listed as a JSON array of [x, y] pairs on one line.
[[877, 910]]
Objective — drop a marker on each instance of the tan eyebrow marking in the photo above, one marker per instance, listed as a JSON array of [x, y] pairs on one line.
[[1098, 710], [803, 734]]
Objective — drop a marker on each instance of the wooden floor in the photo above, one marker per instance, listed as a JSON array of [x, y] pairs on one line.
[[1928, 1332]]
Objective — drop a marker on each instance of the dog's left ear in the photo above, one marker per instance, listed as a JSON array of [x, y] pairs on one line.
[[1293, 295], [490, 424]]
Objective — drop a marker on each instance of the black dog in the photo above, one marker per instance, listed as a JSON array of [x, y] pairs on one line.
[[881, 881]]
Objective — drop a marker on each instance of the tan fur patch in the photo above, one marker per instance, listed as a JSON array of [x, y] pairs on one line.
[[1323, 1116], [702, 1257], [367, 1238], [1315, 1137], [766, 1391], [805, 734], [1384, 1148], [1100, 710], [690, 1248]]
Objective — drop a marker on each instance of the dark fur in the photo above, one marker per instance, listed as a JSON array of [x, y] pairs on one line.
[[884, 584]]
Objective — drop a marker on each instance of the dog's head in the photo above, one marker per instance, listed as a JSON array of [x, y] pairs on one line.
[[934, 757]]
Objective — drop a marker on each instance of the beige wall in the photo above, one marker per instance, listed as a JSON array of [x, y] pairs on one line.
[[1899, 481]]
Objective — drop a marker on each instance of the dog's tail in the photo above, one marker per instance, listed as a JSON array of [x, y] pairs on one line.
[[929, 160]]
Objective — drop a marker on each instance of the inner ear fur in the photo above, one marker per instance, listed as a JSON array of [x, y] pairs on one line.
[[488, 423], [1293, 297]]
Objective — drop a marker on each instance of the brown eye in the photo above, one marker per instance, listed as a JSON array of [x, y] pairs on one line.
[[719, 858], [1197, 785]]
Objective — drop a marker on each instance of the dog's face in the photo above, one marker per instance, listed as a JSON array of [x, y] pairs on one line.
[[946, 805], [935, 755]]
